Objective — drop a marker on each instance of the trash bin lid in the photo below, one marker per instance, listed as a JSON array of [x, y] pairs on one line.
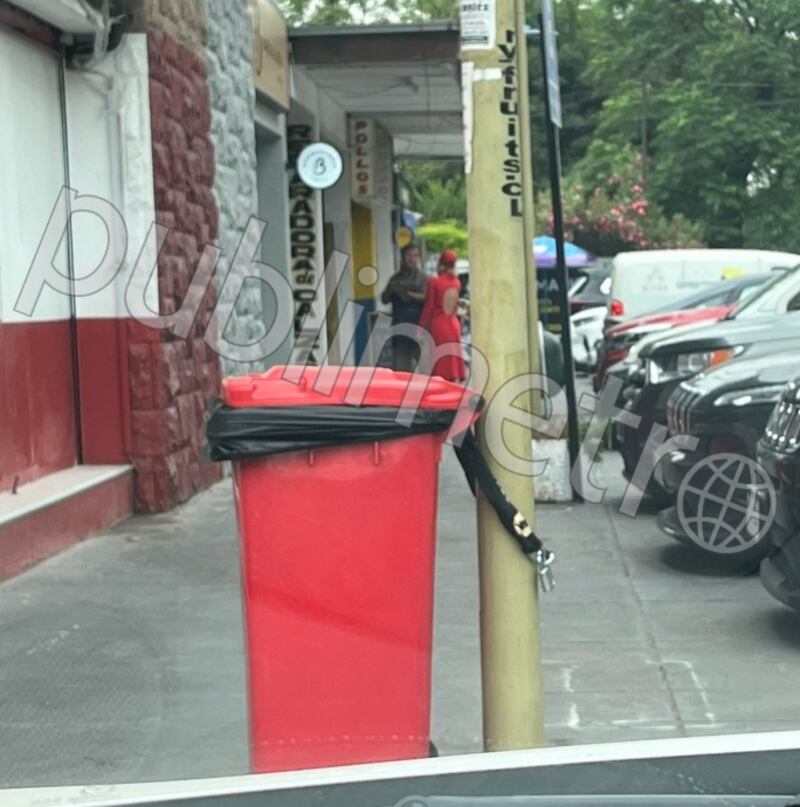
[[297, 385]]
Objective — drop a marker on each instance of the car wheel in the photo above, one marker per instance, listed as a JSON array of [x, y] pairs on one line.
[[659, 494], [745, 562], [780, 574]]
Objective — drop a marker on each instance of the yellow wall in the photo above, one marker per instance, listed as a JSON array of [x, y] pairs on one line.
[[363, 248]]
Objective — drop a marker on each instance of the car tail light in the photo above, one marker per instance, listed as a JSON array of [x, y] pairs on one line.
[[617, 309]]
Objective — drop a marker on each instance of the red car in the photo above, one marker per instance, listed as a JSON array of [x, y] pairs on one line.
[[708, 305]]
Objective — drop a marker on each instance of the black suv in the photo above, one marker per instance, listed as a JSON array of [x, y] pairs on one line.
[[767, 322], [779, 454], [726, 410]]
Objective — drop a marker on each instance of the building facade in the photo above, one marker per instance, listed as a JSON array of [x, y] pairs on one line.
[[160, 238]]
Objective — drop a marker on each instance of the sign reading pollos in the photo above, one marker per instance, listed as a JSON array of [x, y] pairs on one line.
[[319, 165]]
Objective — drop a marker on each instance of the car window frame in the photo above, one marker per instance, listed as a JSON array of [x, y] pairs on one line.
[[752, 307]]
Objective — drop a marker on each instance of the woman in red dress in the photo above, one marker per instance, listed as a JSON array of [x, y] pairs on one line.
[[439, 317]]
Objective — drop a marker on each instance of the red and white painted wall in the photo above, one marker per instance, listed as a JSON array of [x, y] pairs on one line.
[[36, 362], [95, 406], [66, 392], [64, 422]]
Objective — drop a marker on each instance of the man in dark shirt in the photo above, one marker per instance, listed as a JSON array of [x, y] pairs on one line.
[[406, 292]]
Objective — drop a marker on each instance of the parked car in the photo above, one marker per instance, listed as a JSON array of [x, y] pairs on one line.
[[708, 305], [673, 360], [586, 330], [588, 304], [590, 288], [646, 280], [462, 272], [727, 410], [769, 321], [778, 453], [551, 354]]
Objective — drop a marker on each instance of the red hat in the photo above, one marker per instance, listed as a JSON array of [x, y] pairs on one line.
[[448, 257]]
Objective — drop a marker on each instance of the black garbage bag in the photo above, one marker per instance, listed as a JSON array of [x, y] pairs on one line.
[[236, 433]]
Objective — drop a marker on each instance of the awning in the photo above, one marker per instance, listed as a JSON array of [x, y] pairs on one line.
[[408, 77]]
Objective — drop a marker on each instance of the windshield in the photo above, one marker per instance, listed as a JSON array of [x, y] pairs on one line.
[[577, 284], [308, 458], [771, 298], [715, 295]]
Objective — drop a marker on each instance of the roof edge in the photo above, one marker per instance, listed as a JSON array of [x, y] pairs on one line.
[[436, 26]]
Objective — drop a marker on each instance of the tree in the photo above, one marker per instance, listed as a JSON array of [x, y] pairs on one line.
[[357, 12], [610, 214], [581, 100], [438, 189], [711, 86], [445, 235]]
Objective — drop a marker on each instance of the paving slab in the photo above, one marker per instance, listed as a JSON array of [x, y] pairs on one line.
[[591, 668]]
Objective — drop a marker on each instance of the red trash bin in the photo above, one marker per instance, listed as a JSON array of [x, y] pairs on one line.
[[338, 565]]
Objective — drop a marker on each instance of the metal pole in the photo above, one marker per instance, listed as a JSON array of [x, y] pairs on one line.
[[562, 273], [510, 656]]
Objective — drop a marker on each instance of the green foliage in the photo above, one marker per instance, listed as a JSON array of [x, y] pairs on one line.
[[438, 189], [580, 99], [609, 212], [356, 12], [715, 85], [445, 235]]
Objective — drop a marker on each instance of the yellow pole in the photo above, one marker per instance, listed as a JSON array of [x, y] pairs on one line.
[[499, 255]]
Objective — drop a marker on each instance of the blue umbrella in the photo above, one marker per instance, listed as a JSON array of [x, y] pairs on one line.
[[544, 250]]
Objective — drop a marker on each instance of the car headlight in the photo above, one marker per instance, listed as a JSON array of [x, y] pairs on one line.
[[684, 365], [758, 395]]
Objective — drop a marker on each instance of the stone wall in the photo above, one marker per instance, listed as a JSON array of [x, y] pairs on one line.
[[230, 75], [202, 107], [173, 378], [185, 21]]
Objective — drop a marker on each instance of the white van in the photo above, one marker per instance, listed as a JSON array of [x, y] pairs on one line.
[[643, 281]]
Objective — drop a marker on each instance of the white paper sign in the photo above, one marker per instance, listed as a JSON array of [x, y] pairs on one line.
[[467, 69], [477, 24]]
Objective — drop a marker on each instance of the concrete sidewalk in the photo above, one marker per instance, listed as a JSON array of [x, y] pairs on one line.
[[123, 658], [647, 638]]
